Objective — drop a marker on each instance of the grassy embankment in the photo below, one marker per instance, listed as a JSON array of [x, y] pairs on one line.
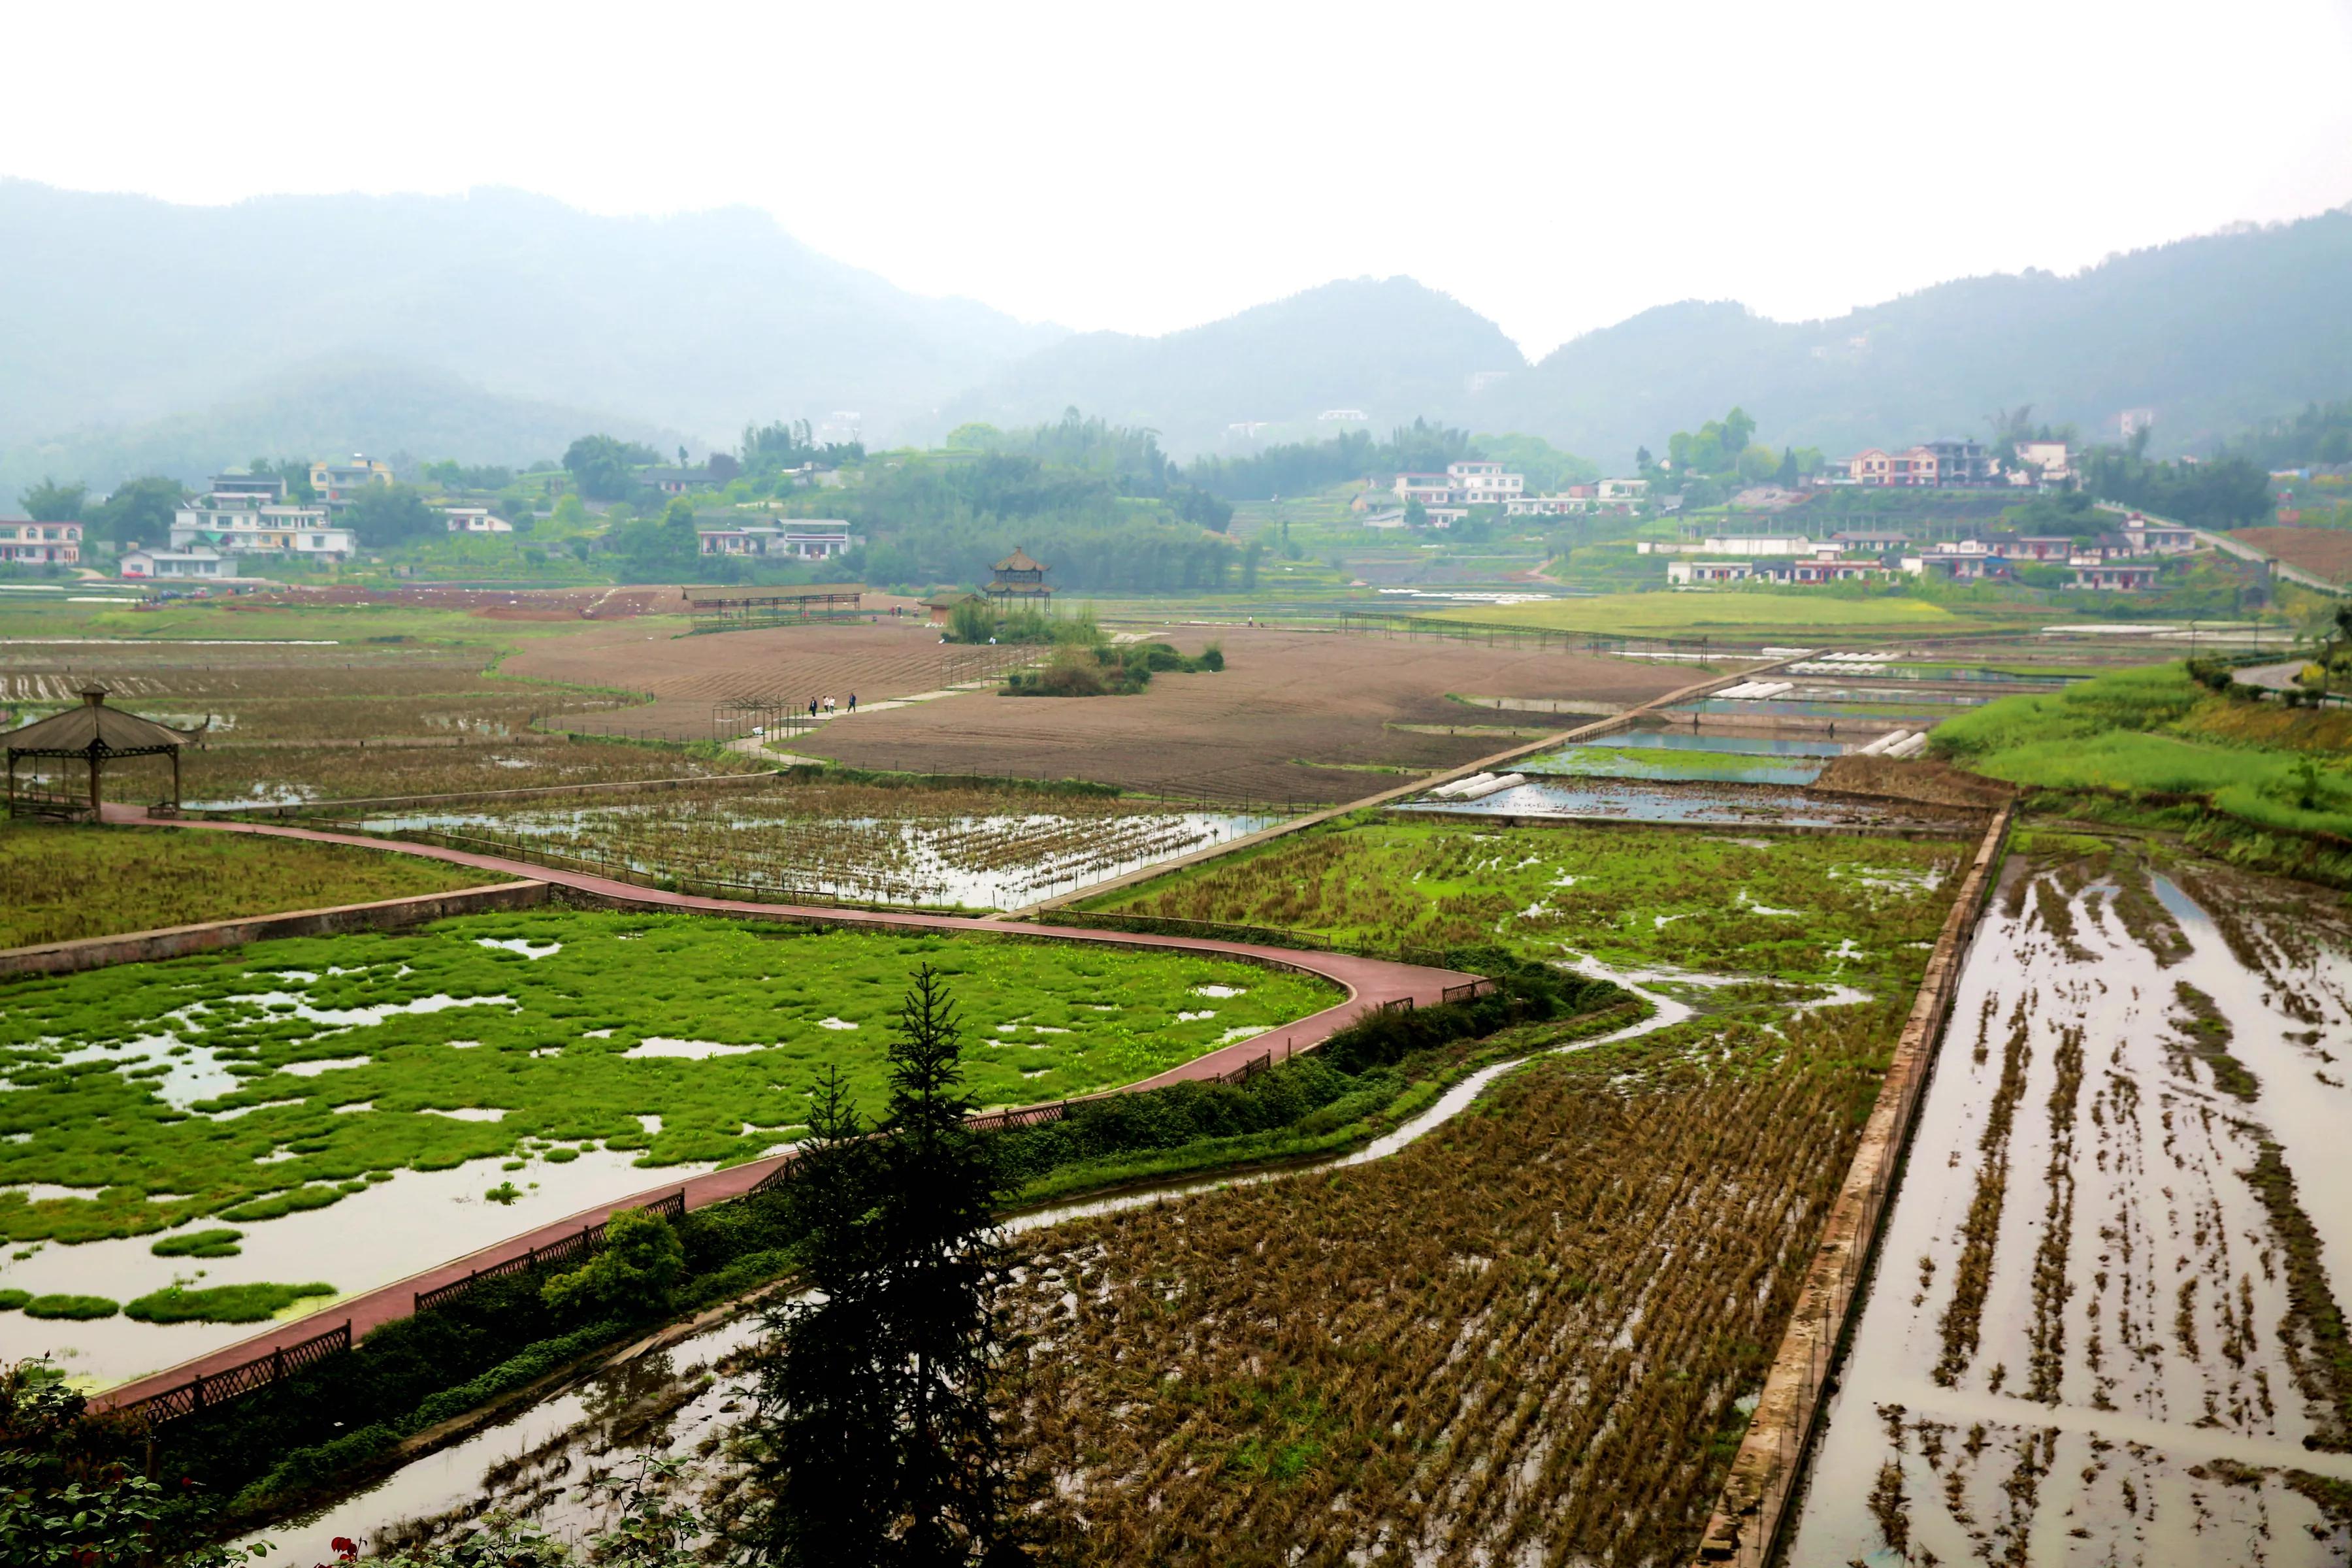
[[59, 882], [2265, 778], [512, 1036], [1813, 909]]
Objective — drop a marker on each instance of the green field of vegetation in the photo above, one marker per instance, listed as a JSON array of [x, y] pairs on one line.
[[2156, 731], [1717, 614], [284, 1075], [1817, 910], [59, 882]]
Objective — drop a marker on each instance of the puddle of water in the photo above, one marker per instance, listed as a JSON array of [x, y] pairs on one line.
[[369, 1238], [949, 861], [1632, 800], [693, 1051]]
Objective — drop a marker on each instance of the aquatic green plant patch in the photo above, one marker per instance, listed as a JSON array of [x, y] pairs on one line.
[[218, 1243], [222, 1303], [1596, 760], [1859, 911], [12, 1300], [78, 1308], [258, 1082], [60, 882]]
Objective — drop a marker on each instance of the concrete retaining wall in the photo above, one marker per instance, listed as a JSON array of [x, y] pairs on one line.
[[1754, 1507], [175, 942]]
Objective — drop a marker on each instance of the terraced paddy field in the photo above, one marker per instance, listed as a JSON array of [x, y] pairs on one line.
[[896, 842], [1858, 913], [359, 1106], [2107, 1325]]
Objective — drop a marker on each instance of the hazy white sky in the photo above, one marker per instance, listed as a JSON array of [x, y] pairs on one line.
[[1557, 166]]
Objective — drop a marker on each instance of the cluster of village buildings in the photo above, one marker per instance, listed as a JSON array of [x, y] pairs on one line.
[[247, 515], [1446, 499], [2124, 559]]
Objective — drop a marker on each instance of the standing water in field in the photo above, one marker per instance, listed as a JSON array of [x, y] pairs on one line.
[[2103, 1327], [923, 848]]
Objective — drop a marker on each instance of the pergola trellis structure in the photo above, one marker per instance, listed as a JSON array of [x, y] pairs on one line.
[[97, 735]]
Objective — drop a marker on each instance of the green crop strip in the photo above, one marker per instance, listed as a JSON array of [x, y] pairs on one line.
[[61, 883], [222, 1303], [1809, 909], [282, 1075]]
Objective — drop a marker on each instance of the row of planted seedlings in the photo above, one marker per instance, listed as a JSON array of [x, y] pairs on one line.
[[330, 1427], [1528, 1338]]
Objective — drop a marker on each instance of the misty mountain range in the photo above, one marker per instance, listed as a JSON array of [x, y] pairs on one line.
[[139, 336]]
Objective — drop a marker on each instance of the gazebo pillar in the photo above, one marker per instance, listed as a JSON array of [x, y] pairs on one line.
[[97, 771]]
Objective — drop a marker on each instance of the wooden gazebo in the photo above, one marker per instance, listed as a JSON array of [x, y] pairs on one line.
[[1019, 577], [97, 735]]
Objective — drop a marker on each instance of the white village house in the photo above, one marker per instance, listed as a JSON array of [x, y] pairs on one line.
[[248, 516], [798, 539]]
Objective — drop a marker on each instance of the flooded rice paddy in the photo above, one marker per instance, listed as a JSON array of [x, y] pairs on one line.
[[1682, 754], [2103, 1327], [1715, 804], [926, 854]]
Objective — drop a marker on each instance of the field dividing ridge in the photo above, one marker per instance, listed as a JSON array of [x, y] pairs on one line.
[[1756, 1497]]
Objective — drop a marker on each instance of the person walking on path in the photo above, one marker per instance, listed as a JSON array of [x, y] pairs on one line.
[[853, 702]]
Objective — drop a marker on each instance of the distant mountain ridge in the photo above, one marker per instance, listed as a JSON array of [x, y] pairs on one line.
[[2211, 334], [136, 335], [1388, 347], [119, 310]]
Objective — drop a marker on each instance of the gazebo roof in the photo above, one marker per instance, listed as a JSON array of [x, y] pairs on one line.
[[1018, 561], [93, 726]]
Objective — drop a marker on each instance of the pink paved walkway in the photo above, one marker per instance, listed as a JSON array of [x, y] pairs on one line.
[[1369, 981]]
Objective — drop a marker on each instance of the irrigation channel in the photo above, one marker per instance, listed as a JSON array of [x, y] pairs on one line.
[[532, 1463], [2103, 1327]]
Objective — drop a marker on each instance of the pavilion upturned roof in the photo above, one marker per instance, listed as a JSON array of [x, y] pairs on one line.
[[93, 727], [1018, 561]]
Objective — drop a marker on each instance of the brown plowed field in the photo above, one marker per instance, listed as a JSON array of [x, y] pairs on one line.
[[688, 676], [1296, 716], [2327, 552]]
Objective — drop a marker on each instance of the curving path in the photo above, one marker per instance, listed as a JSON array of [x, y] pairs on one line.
[[1370, 983]]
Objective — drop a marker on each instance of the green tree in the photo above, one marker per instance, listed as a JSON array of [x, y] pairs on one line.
[[635, 1273], [50, 501], [972, 620], [1786, 477], [657, 548], [139, 511], [604, 467], [385, 515], [568, 516], [874, 1443]]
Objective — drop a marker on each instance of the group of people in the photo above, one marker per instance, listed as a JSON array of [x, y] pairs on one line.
[[826, 705]]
